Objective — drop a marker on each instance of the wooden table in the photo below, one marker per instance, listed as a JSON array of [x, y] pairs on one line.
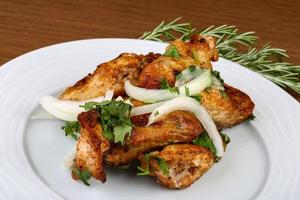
[[30, 24]]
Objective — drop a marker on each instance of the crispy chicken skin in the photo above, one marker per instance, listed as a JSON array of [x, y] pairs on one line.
[[176, 127], [186, 163], [229, 108], [91, 145], [108, 76]]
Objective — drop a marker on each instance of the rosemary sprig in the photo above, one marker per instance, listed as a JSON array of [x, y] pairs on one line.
[[165, 31], [267, 61]]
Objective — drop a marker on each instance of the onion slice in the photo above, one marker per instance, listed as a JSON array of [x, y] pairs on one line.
[[68, 110], [140, 110], [187, 75], [193, 106], [194, 86]]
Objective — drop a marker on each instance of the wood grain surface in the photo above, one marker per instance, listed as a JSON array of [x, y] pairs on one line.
[[30, 24]]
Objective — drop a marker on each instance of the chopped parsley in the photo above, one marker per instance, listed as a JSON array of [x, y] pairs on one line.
[[145, 172], [187, 91], [192, 68], [156, 113], [72, 129], [179, 76], [165, 85], [252, 117], [172, 52], [163, 165], [205, 141], [218, 76], [114, 118], [225, 138], [83, 175], [197, 97], [120, 132]]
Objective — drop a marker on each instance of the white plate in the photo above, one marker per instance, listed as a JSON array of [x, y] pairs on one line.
[[261, 162]]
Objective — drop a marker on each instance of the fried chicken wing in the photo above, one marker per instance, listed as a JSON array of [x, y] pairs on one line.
[[176, 127], [229, 108], [91, 145], [199, 50], [108, 76], [185, 164]]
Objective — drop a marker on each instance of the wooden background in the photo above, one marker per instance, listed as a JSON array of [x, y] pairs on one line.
[[30, 24]]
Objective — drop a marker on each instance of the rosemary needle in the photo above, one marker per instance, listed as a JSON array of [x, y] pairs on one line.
[[267, 61]]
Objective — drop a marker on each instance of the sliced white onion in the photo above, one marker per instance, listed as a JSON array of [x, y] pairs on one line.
[[128, 102], [140, 110], [68, 110], [108, 95], [195, 86], [41, 113], [119, 98], [216, 83], [187, 75], [193, 106]]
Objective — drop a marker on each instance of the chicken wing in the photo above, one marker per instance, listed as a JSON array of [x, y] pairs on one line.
[[108, 76], [176, 127], [91, 145], [185, 163], [199, 50]]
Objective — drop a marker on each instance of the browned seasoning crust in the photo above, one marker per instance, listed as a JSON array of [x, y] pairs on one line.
[[227, 109], [176, 127], [186, 163], [108, 76], [91, 145]]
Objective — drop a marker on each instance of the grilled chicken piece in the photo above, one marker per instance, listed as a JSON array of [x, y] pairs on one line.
[[198, 51], [91, 145], [176, 127], [108, 76], [186, 163], [229, 108]]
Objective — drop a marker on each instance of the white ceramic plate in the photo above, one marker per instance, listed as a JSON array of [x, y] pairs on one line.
[[261, 162]]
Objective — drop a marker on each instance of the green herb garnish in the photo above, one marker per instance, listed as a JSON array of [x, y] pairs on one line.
[[192, 68], [163, 166], [225, 138], [187, 91], [178, 76], [218, 76], [204, 140], [72, 129], [145, 172], [83, 175], [172, 52], [197, 97], [165, 85], [252, 117], [114, 118]]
